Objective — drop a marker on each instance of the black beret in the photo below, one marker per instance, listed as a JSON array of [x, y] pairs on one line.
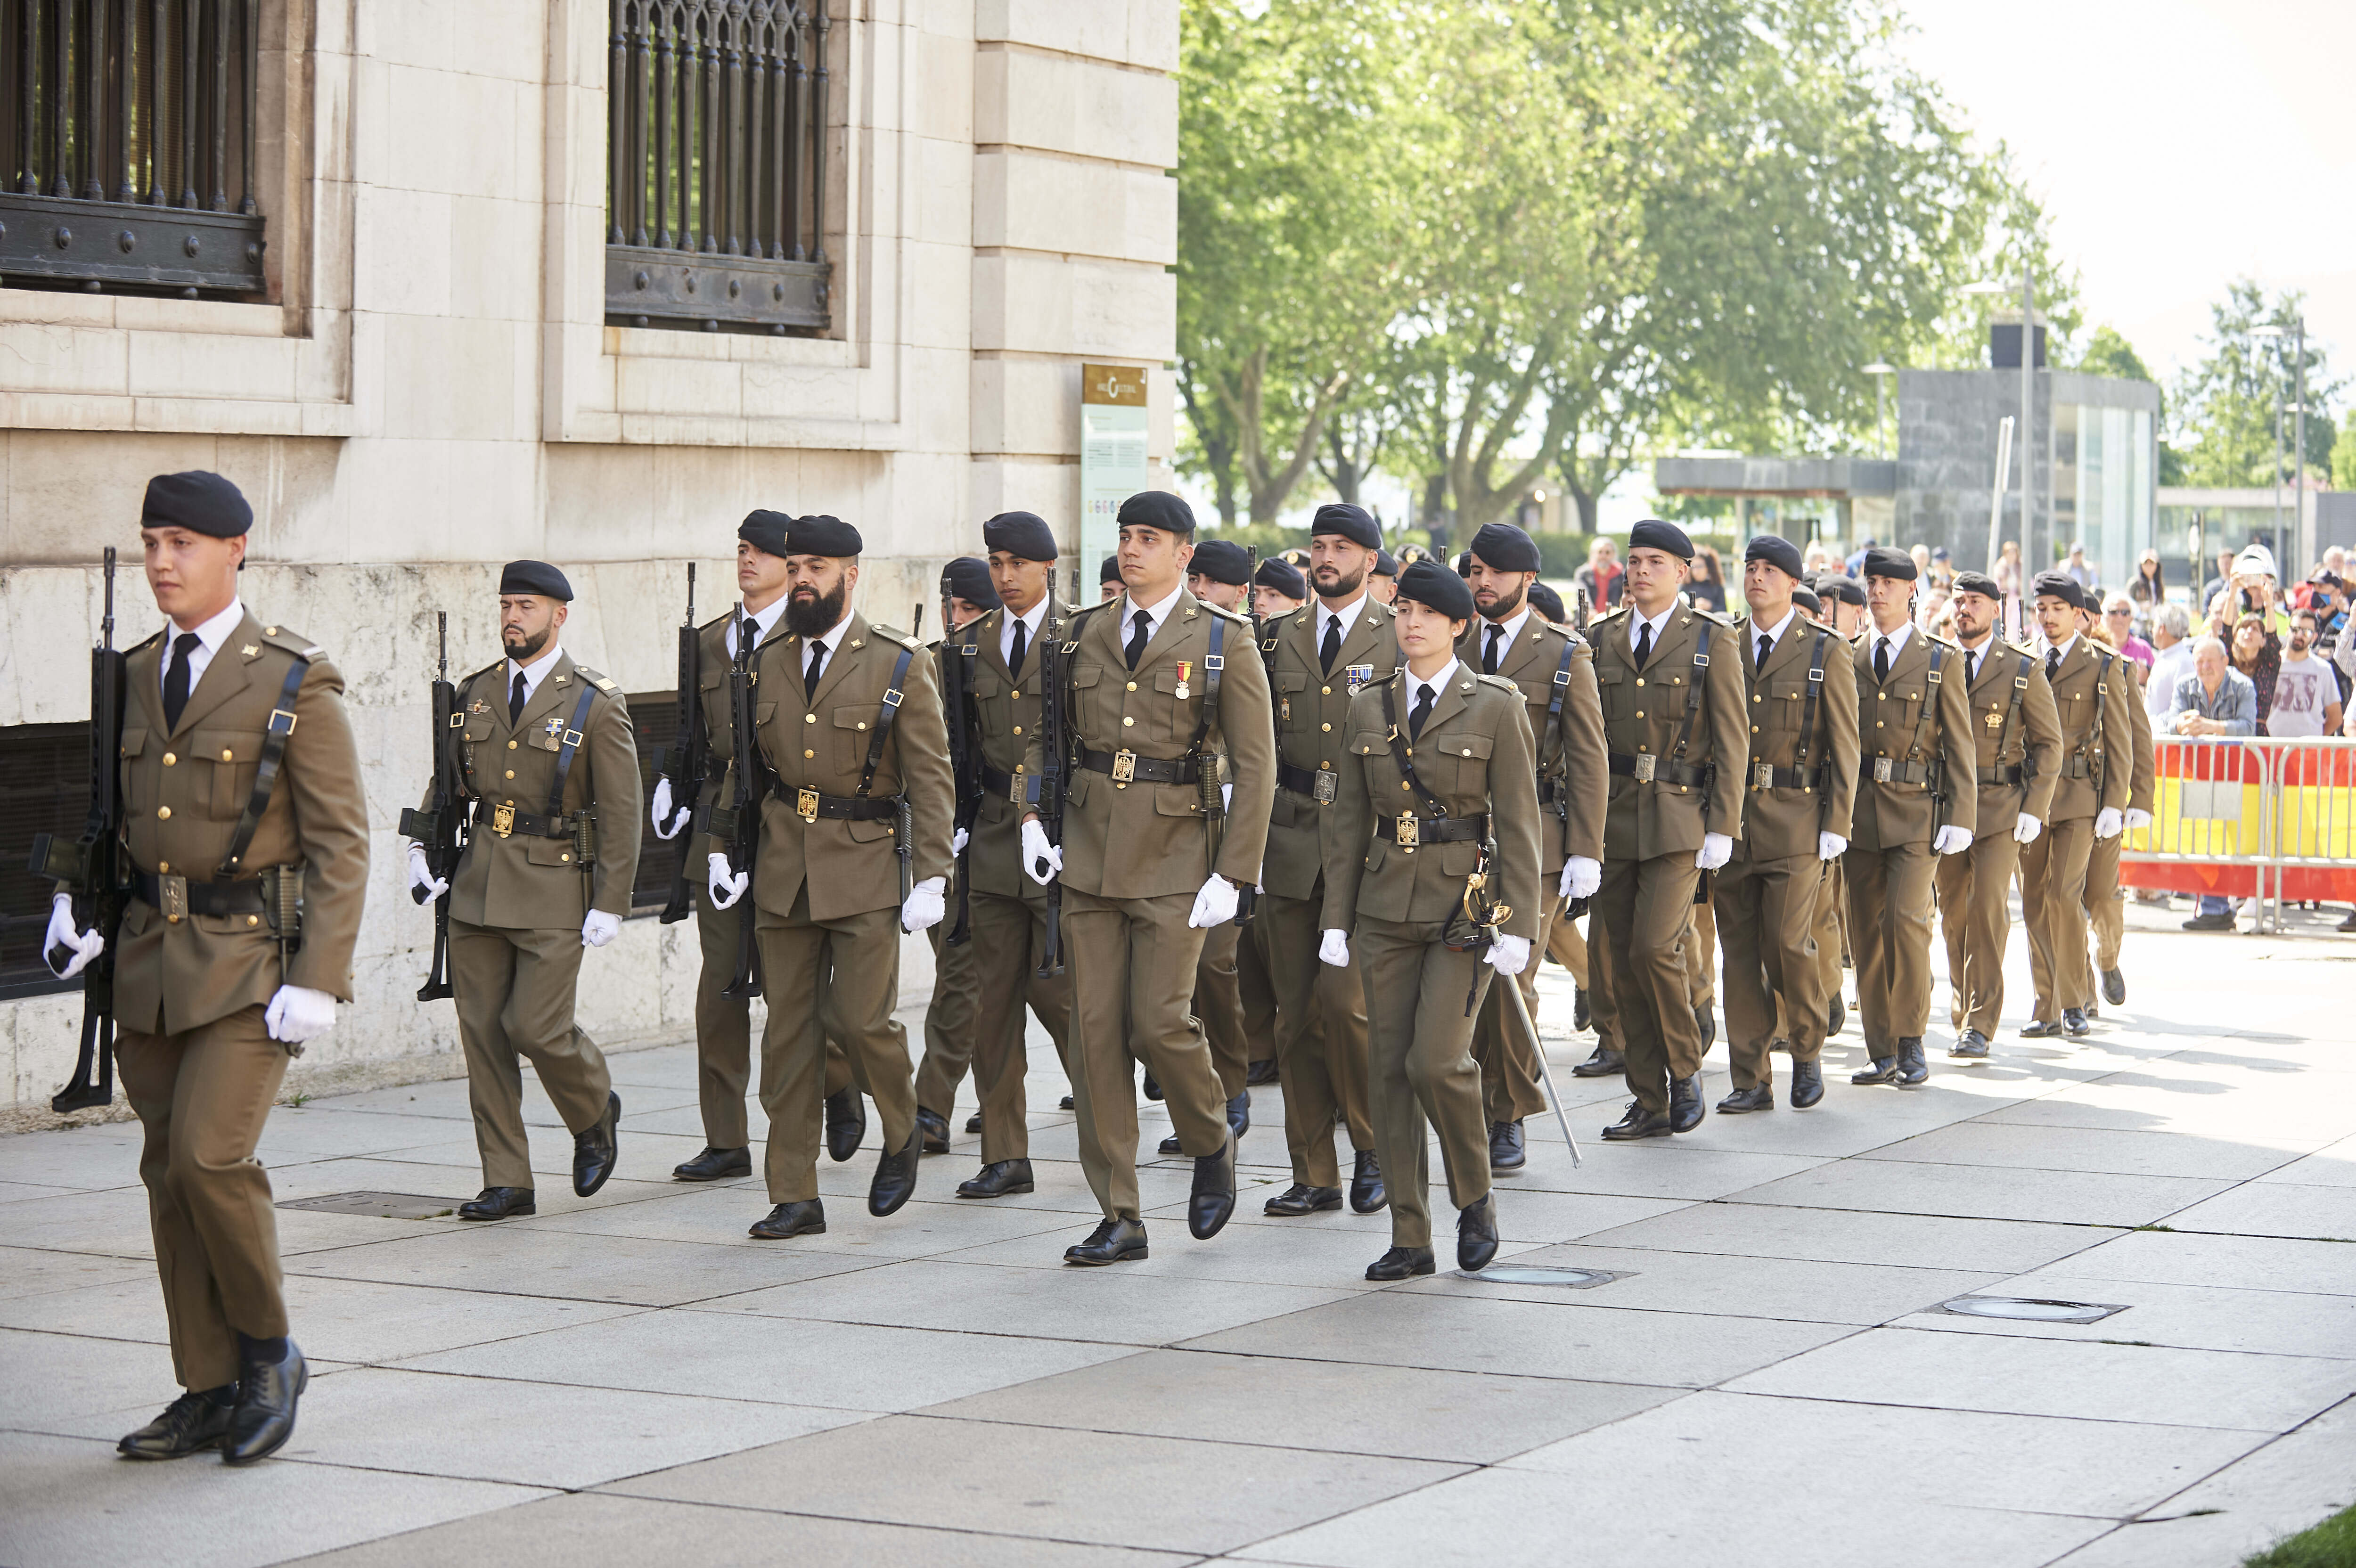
[[1025, 535], [2058, 585], [1778, 552], [1805, 598], [535, 577], [199, 502], [1897, 563], [1833, 586], [1221, 560], [1284, 577], [1432, 585], [968, 578], [765, 530], [818, 533], [1977, 582], [1157, 510], [1110, 571], [1384, 566], [1463, 564], [1654, 534], [1504, 548], [1548, 602], [1352, 523]]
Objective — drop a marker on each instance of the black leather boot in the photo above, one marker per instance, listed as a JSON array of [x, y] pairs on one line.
[[191, 1423], [715, 1165], [595, 1150], [997, 1180], [1366, 1193], [267, 1392], [846, 1124], [1476, 1234], [498, 1203], [807, 1218]]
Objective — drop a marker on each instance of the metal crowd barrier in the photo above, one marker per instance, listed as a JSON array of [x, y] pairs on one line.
[[2266, 819]]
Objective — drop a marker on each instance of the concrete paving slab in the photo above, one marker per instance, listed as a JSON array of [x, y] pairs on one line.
[[2275, 1209], [2004, 1145], [2333, 1166], [508, 1259], [58, 1384], [86, 1157], [1656, 1280], [2191, 1317], [1914, 1241], [1656, 1168], [2064, 1197], [27, 1270], [718, 1215], [2248, 1263], [115, 1222]]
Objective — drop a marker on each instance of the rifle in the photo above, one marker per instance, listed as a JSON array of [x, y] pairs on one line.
[[964, 772], [1247, 898], [689, 751], [442, 829], [740, 821], [1054, 744], [96, 870]]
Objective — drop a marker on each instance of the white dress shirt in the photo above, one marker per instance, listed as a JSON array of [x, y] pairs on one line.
[[1031, 621], [1509, 630], [1417, 685], [534, 672], [1347, 614], [764, 622], [1897, 641], [832, 643], [210, 638], [1774, 634], [2044, 647], [1154, 615], [1660, 624]]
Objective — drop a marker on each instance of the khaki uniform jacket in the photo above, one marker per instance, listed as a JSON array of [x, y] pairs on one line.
[[1005, 717], [1783, 821], [817, 740], [1147, 840], [519, 883], [184, 789], [2097, 766], [1644, 713], [1313, 710], [1575, 764], [719, 732], [1476, 754], [2035, 737], [1910, 718]]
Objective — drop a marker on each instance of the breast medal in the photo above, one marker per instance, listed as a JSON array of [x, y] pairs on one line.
[[1186, 668], [1360, 675], [553, 728]]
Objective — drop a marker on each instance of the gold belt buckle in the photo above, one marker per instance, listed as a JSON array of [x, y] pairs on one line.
[[1882, 768], [1763, 775], [1019, 789], [1328, 786], [1410, 830], [1124, 767], [805, 802], [503, 820], [174, 891], [1646, 763]]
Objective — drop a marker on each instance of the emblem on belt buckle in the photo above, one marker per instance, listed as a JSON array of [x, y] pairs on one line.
[[805, 802], [1019, 791], [1646, 763], [1411, 831], [1328, 784], [503, 820], [1763, 775], [1124, 767], [1881, 770]]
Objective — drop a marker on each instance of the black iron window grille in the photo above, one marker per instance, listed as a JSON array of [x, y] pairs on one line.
[[716, 124], [128, 139]]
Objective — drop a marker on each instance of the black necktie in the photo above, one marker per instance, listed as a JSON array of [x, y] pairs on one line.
[[1014, 658], [809, 675], [514, 700], [1421, 712], [2053, 662], [1489, 653], [1139, 630], [748, 636], [1971, 670], [1331, 646], [1881, 659], [1766, 646], [1643, 645], [175, 680]]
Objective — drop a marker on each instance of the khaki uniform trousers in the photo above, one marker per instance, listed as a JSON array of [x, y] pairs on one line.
[[1645, 906], [1254, 990], [515, 991], [1973, 887], [1421, 1067], [1218, 1004], [1890, 921], [1567, 947], [2052, 905], [723, 1031], [1767, 909], [1509, 1063], [861, 952], [1701, 955], [201, 1097], [1321, 1040], [951, 1042], [1132, 967], [2105, 905], [1006, 939]]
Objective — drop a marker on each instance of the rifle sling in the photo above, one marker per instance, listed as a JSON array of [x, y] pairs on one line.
[[265, 775], [1404, 755]]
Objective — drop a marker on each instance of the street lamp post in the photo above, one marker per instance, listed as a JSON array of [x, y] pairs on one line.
[[1879, 370], [2297, 333], [2028, 399]]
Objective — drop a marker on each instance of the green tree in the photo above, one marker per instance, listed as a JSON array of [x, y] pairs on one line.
[[2109, 354], [2343, 454], [2224, 407]]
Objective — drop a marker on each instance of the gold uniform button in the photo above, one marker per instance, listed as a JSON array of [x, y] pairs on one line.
[[1881, 697], [810, 718], [253, 920], [1018, 729], [1325, 727], [510, 772], [1640, 713], [226, 755], [1126, 722], [1326, 689], [808, 753], [163, 868], [1754, 696], [1016, 694], [863, 723], [169, 760], [163, 814], [1132, 686], [1879, 725], [1754, 729], [511, 745], [172, 919], [566, 856], [1468, 751], [1640, 680]]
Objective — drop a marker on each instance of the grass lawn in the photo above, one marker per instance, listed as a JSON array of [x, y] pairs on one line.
[[2331, 1545]]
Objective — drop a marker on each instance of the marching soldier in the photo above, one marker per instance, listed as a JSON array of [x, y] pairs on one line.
[[1554, 669], [2019, 739], [1915, 756], [1108, 583], [2105, 904], [246, 829], [1678, 746], [1157, 685], [996, 687], [856, 804], [549, 763], [1440, 771], [1318, 661], [2093, 785], [724, 1024], [1800, 786], [1832, 900], [1279, 588], [1382, 579]]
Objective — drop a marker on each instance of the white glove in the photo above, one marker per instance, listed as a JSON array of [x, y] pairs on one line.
[[2108, 822], [1227, 796], [1042, 861], [1952, 841], [957, 842], [1716, 850], [599, 929], [2025, 828], [1831, 845], [2138, 818], [1214, 905], [423, 885], [726, 886], [84, 945], [297, 1013], [1581, 878], [662, 812], [1334, 948], [1508, 956], [924, 906]]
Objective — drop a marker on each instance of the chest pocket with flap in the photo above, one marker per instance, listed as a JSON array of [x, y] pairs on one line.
[[225, 761]]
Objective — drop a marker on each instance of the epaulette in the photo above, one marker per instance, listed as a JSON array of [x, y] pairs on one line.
[[1610, 614], [893, 634], [1501, 683], [301, 646], [601, 682], [491, 669], [1708, 614], [155, 641], [1237, 616], [717, 621]]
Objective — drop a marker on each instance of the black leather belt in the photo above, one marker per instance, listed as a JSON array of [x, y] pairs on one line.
[[1409, 830], [1764, 776], [1647, 767], [1000, 783], [1127, 767], [810, 805], [2077, 768], [241, 897], [1890, 770], [2008, 774], [1318, 784], [505, 820]]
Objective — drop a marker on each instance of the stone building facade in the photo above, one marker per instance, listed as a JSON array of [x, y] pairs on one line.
[[433, 383]]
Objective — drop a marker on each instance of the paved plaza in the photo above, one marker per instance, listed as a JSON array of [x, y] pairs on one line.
[[1769, 1379]]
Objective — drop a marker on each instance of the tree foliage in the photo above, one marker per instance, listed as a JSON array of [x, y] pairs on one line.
[[2224, 408]]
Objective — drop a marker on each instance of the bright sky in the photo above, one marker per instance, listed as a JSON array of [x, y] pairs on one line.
[[2176, 144]]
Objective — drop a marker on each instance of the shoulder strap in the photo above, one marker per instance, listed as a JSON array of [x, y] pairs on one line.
[[1929, 696], [1816, 684], [1213, 664], [2012, 714], [573, 735], [265, 775], [1555, 698], [1403, 754], [1693, 692], [891, 711]]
